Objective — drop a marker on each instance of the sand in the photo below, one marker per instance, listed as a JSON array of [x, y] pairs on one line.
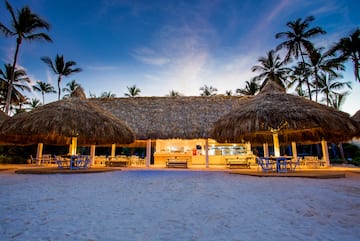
[[177, 205]]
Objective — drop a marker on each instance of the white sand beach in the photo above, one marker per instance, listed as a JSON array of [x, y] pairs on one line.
[[177, 205]]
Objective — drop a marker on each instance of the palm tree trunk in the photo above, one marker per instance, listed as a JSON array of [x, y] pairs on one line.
[[342, 153], [59, 80], [356, 69], [12, 77], [316, 85], [306, 78]]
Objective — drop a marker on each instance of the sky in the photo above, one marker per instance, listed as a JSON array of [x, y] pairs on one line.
[[161, 46]]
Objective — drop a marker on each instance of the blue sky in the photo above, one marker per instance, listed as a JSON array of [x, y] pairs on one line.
[[171, 45]]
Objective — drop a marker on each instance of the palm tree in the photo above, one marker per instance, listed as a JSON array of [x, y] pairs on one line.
[[338, 99], [107, 95], [301, 92], [349, 48], [271, 68], [61, 68], [173, 93], [320, 63], [33, 104], [297, 40], [92, 95], [23, 26], [228, 92], [20, 105], [132, 91], [71, 87], [20, 83], [208, 90], [43, 88], [298, 77], [251, 88], [328, 86]]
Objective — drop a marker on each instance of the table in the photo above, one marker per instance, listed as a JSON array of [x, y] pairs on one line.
[[77, 162], [281, 163]]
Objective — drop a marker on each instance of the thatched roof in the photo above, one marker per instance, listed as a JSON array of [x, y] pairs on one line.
[[3, 117], [357, 116], [57, 122], [170, 117], [296, 119]]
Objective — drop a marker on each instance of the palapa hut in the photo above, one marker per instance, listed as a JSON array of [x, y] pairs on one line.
[[356, 117], [67, 121], [177, 126], [274, 116], [3, 117]]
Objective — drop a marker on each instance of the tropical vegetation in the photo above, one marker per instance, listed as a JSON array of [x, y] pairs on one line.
[[24, 26], [297, 63]]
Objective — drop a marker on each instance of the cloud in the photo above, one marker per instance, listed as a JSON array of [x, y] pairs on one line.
[[326, 7], [149, 56], [102, 67]]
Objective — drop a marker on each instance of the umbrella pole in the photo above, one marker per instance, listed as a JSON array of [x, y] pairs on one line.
[[276, 144]]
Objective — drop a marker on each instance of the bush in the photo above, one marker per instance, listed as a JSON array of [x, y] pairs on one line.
[[12, 159], [356, 161], [5, 159]]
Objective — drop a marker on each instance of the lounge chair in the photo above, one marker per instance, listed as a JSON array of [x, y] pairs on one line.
[[295, 162], [265, 164]]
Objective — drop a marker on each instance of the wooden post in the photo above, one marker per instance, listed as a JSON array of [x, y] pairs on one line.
[[266, 149], [92, 154], [248, 148], [207, 153], [73, 145], [148, 152], [39, 153], [276, 144], [113, 149], [293, 149], [325, 152]]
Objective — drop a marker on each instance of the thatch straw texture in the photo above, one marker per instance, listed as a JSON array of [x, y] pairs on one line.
[[296, 119], [57, 122], [356, 117], [170, 117], [3, 117]]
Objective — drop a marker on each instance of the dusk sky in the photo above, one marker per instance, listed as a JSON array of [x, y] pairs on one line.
[[171, 45]]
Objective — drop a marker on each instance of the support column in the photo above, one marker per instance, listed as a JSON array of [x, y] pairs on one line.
[[73, 145], [293, 149], [148, 152], [248, 148], [113, 149], [39, 153], [276, 144], [207, 153], [325, 152], [92, 154], [266, 149]]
